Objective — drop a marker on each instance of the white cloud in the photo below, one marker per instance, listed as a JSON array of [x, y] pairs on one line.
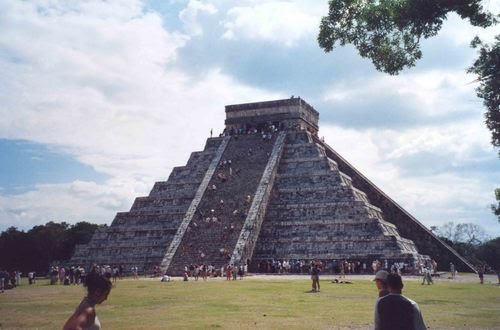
[[103, 80], [106, 88], [461, 32], [284, 22], [191, 13], [115, 92], [429, 93], [78, 201], [437, 196], [459, 141]]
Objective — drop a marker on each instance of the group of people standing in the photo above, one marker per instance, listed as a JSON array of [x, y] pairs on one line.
[[66, 276], [230, 271], [392, 309], [9, 281]]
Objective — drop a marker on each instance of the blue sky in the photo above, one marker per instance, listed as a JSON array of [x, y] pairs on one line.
[[100, 99]]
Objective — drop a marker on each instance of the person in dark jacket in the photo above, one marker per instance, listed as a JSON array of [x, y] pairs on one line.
[[395, 311]]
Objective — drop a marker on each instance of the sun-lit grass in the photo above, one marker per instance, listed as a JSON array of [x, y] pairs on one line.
[[277, 303]]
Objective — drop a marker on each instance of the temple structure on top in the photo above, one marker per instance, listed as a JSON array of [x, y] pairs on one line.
[[265, 190], [293, 113]]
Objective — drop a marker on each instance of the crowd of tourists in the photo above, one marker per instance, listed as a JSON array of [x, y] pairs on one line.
[[344, 267], [229, 271], [66, 276], [392, 309], [74, 275], [221, 213], [218, 219], [266, 130]]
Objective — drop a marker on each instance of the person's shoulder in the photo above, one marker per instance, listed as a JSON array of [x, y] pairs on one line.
[[381, 299], [409, 300], [391, 298], [85, 307], [82, 318]]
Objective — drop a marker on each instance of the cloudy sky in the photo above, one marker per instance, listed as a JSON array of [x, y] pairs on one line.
[[100, 99]]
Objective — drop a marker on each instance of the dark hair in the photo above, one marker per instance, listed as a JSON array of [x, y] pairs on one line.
[[394, 281], [95, 281]]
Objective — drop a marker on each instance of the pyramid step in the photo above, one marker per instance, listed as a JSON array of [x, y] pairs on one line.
[[167, 259]]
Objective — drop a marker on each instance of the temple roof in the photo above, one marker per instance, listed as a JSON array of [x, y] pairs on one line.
[[287, 113]]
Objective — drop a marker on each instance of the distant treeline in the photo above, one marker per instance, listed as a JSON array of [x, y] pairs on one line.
[[36, 249], [485, 253], [40, 247]]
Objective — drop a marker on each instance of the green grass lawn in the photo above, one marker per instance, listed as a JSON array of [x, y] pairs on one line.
[[277, 303]]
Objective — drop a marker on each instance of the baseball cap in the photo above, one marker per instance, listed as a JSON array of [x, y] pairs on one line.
[[381, 275]]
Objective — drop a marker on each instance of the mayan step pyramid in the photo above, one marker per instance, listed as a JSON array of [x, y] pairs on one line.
[[266, 189]]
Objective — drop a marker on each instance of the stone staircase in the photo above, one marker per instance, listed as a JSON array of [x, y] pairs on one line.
[[315, 212], [141, 236], [193, 207], [251, 228], [212, 233]]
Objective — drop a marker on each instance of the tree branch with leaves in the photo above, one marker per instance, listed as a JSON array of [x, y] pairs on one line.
[[388, 32]]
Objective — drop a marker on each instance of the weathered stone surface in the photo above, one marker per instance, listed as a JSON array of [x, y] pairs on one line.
[[315, 212], [141, 236], [280, 193]]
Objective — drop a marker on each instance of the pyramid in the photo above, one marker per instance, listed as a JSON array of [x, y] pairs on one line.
[[266, 189]]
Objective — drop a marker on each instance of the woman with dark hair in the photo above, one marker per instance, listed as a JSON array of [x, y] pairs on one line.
[[84, 317]]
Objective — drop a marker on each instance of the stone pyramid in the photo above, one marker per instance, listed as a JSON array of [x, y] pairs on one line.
[[266, 189]]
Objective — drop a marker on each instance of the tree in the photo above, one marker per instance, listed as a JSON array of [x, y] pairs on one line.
[[14, 249], [47, 244], [38, 248], [494, 208], [467, 233], [487, 67], [465, 238], [389, 32], [79, 233], [489, 252], [469, 241]]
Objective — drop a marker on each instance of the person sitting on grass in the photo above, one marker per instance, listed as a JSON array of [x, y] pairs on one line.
[[84, 317]]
